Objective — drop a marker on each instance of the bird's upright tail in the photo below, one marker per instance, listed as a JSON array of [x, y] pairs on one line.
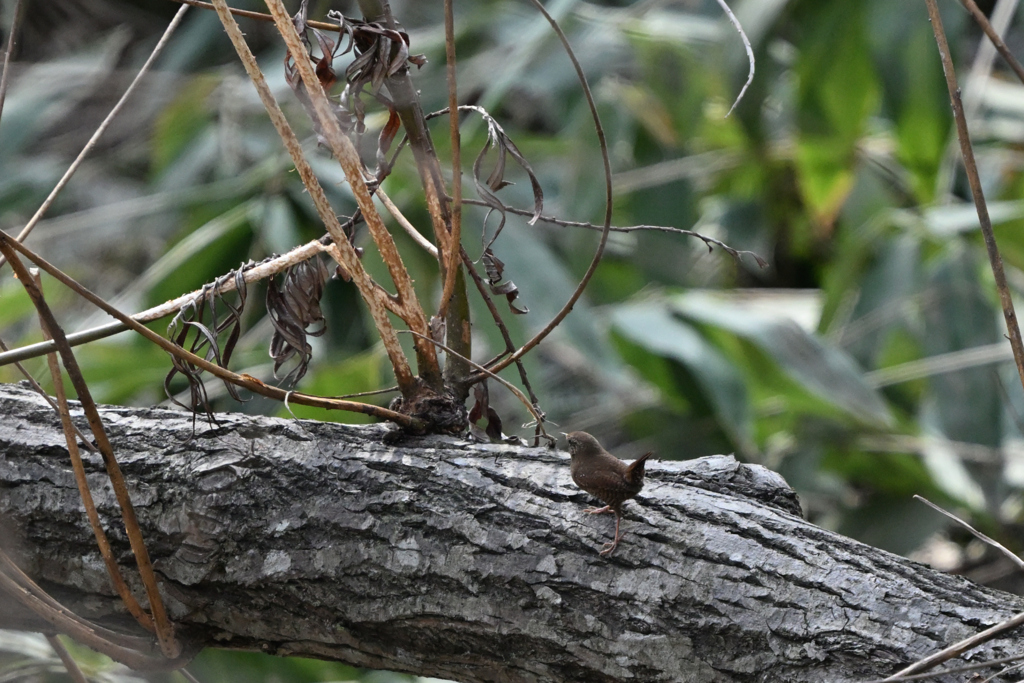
[[635, 469]]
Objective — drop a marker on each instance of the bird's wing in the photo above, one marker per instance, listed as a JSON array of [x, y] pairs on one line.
[[598, 483]]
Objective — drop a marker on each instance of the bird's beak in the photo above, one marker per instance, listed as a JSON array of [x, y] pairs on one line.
[[564, 434]]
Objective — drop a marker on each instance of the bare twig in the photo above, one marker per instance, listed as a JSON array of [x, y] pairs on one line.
[[259, 16], [160, 620], [184, 673], [409, 228], [606, 229], [956, 670], [74, 671], [455, 243], [977, 534], [4, 77], [510, 346], [102, 128], [993, 36], [132, 651], [709, 241], [223, 285], [971, 168], [246, 381], [958, 649], [750, 53], [46, 397], [70, 437]]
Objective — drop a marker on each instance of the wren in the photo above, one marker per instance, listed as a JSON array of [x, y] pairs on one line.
[[604, 476]]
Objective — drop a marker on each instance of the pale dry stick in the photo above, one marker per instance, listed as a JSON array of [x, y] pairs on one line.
[[408, 306], [977, 534], [260, 271], [1012, 328], [376, 300], [187, 676], [975, 640], [15, 20], [102, 128], [504, 382], [46, 397], [74, 671], [259, 16], [80, 479], [245, 381], [955, 670], [750, 53], [455, 241], [957, 649], [409, 228], [560, 316], [161, 622], [1003, 672]]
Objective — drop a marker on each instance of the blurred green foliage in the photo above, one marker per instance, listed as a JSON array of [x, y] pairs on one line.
[[842, 364]]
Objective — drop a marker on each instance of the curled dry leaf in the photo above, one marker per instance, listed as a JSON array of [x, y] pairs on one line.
[[495, 268], [206, 343], [482, 408], [292, 309], [486, 188], [380, 52]]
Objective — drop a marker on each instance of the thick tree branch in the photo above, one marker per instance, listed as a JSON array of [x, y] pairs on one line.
[[470, 562]]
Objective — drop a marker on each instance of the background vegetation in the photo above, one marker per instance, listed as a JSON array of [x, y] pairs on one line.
[[865, 363]]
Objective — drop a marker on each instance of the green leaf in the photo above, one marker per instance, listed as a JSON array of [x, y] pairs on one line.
[[823, 369], [653, 327]]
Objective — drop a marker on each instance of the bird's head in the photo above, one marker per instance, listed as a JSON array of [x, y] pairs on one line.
[[581, 442]]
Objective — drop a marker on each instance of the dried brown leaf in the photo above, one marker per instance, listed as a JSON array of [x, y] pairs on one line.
[[293, 308]]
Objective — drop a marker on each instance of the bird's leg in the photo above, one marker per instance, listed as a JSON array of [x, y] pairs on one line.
[[597, 511], [607, 548]]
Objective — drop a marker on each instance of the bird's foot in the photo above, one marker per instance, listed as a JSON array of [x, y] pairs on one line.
[[597, 511], [607, 548]]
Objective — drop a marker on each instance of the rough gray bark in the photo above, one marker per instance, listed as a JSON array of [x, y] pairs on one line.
[[472, 562]]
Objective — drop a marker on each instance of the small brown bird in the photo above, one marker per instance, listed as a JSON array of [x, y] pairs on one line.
[[604, 476]]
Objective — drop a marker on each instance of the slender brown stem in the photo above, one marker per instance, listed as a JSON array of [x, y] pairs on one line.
[[246, 381], [74, 671], [971, 168], [132, 651], [48, 202], [45, 396], [560, 316], [997, 42], [5, 76], [70, 438], [164, 630], [709, 241], [455, 243], [510, 346], [258, 16]]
